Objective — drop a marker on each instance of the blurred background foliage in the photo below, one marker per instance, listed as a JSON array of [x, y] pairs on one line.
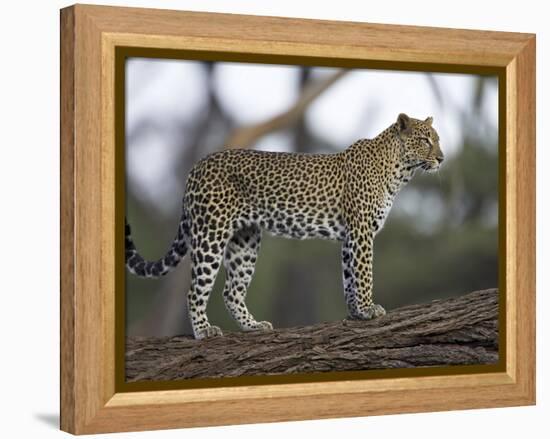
[[440, 240]]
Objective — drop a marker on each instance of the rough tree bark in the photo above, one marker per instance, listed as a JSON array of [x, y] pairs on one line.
[[458, 331]]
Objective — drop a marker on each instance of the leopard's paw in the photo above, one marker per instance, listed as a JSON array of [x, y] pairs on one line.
[[260, 326], [369, 313], [208, 332]]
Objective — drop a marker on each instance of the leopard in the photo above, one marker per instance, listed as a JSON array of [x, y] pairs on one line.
[[232, 196]]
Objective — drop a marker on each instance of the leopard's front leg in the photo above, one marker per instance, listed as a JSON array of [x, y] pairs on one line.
[[357, 257]]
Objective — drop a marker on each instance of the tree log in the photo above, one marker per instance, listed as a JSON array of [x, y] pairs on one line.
[[457, 331]]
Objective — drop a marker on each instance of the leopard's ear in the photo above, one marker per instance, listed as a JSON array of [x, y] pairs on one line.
[[429, 120], [404, 123]]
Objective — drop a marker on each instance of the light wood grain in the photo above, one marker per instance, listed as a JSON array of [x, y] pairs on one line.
[[525, 287], [90, 35], [129, 399], [107, 219], [163, 28], [90, 318], [67, 253], [511, 219]]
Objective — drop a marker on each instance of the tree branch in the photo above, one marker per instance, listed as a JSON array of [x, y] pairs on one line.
[[458, 331], [244, 137]]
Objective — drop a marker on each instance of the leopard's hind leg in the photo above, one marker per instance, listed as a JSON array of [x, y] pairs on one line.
[[206, 259], [239, 260]]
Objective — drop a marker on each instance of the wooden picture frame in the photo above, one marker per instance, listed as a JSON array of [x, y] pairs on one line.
[[91, 402]]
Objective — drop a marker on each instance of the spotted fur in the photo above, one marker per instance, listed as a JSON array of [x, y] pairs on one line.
[[231, 196]]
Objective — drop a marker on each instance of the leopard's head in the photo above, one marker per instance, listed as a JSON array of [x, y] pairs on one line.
[[420, 143]]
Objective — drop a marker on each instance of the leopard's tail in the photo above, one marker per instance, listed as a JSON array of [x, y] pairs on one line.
[[154, 269]]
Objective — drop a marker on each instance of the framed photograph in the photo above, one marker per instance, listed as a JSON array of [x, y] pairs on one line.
[[267, 219]]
